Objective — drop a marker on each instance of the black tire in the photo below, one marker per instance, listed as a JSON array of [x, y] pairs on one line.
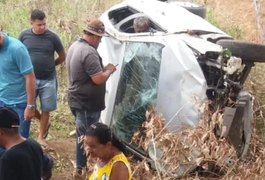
[[245, 50], [241, 127], [195, 8], [247, 120]]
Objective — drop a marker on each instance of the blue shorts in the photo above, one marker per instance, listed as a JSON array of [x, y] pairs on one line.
[[46, 90]]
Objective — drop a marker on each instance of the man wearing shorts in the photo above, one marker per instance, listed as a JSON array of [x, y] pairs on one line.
[[42, 43]]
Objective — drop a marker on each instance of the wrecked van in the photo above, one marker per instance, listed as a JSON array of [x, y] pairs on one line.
[[181, 63]]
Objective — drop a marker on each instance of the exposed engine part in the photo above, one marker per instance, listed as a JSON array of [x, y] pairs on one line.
[[233, 64]]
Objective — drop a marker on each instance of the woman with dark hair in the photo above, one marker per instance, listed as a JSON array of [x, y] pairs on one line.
[[112, 164]]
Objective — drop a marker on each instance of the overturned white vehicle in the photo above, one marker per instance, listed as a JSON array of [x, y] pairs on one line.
[[175, 67]]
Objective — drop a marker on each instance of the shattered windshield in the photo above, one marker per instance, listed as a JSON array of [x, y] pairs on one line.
[[137, 88]]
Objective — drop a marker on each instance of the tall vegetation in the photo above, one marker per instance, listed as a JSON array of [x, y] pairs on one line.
[[66, 18]]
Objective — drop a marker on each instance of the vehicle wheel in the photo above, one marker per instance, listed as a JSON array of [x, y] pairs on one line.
[[195, 8], [247, 99], [240, 131], [245, 50]]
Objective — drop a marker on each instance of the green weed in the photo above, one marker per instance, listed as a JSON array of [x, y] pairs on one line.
[[233, 30], [66, 18]]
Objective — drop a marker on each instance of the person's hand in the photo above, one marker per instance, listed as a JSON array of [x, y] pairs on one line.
[[29, 114], [110, 67]]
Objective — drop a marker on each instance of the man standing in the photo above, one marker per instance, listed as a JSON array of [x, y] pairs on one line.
[[17, 81], [42, 44], [17, 92], [22, 159], [86, 84]]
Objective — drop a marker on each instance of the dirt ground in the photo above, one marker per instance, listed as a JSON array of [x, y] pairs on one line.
[[241, 13], [63, 155]]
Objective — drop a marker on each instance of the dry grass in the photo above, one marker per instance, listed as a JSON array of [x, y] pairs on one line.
[[178, 153], [68, 17]]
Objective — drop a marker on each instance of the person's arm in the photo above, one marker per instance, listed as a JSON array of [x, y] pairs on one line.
[[102, 77], [30, 90], [61, 57], [119, 171], [58, 47], [24, 64]]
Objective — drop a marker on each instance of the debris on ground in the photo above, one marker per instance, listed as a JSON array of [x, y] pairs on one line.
[[193, 152]]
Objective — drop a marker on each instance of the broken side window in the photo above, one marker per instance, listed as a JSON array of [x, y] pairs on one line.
[[137, 88]]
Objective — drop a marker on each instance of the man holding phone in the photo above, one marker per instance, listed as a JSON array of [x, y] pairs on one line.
[[87, 79]]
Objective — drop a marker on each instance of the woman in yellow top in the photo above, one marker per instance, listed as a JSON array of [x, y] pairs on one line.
[[112, 164]]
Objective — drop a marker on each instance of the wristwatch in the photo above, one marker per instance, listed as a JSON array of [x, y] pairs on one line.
[[31, 107]]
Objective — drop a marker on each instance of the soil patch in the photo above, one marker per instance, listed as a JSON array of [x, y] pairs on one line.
[[64, 157]]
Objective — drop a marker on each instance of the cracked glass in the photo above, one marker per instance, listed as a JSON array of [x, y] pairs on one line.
[[137, 87]]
